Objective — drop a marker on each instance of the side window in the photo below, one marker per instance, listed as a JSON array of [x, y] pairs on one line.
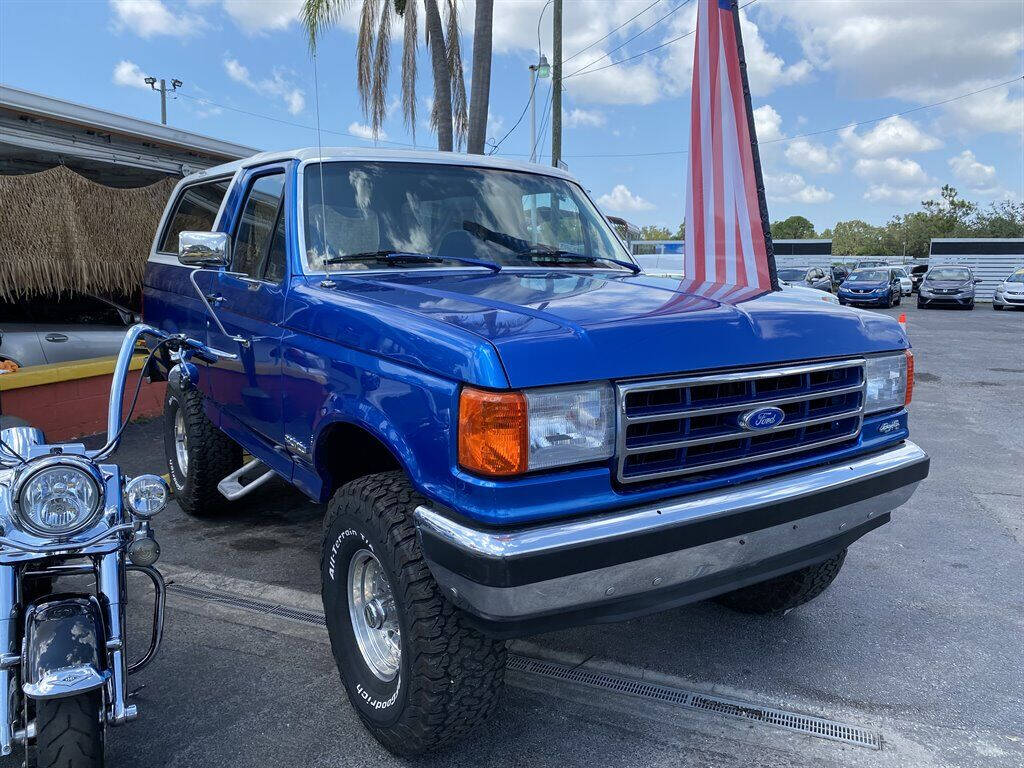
[[274, 271], [259, 215], [196, 210]]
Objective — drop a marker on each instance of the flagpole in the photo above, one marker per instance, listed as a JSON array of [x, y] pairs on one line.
[[759, 180]]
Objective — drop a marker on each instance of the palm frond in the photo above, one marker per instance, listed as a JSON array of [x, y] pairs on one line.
[[381, 70], [318, 15], [460, 113], [365, 52], [409, 45]]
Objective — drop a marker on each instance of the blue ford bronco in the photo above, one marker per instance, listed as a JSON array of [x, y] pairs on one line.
[[512, 427]]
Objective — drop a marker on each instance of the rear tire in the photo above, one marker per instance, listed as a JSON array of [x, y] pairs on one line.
[[787, 591], [70, 732], [198, 454], [419, 676]]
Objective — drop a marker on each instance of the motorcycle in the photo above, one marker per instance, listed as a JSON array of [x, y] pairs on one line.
[[65, 511]]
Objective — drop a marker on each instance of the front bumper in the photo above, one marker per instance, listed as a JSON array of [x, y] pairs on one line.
[[1009, 300], [950, 299], [610, 567], [863, 299]]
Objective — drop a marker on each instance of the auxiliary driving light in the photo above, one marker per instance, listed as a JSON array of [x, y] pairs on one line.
[[143, 549], [146, 495]]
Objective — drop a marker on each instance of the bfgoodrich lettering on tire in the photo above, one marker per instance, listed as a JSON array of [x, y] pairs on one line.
[[416, 673], [198, 454]]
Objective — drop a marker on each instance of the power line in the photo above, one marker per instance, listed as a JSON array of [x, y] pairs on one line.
[[819, 132], [643, 31], [585, 71], [627, 21], [203, 100], [533, 87]]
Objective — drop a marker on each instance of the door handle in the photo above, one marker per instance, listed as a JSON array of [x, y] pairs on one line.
[[56, 337], [215, 299]]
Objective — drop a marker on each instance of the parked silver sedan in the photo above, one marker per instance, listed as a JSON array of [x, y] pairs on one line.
[[59, 330], [1010, 292]]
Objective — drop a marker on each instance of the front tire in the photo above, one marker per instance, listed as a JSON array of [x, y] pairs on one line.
[[198, 454], [419, 676], [997, 307], [70, 732], [787, 591]]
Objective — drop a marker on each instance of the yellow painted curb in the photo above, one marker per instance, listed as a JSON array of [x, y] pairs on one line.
[[36, 375]]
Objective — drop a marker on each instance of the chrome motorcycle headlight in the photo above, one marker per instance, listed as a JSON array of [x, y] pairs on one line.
[[58, 498], [146, 495]]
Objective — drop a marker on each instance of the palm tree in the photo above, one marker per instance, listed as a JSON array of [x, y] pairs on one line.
[[373, 60], [480, 91]]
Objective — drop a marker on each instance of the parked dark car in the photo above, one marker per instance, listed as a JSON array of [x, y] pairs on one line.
[[52, 329], [878, 287], [949, 286], [809, 277], [839, 274], [917, 273]]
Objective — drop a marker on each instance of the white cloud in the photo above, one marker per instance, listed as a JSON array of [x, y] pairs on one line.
[[264, 15], [992, 111], [766, 70], [793, 188], [768, 123], [148, 18], [580, 118], [622, 200], [277, 85], [893, 170], [967, 169], [365, 132], [127, 73], [892, 136], [920, 51], [886, 193], [812, 157]]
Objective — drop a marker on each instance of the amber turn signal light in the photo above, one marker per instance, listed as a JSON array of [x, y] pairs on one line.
[[910, 375], [493, 432]]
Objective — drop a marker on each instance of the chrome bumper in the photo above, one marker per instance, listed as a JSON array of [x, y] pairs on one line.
[[643, 559]]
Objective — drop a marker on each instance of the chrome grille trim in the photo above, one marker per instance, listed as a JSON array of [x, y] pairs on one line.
[[749, 379]]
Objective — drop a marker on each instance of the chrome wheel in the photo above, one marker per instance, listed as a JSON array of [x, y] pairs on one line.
[[181, 442], [371, 607]]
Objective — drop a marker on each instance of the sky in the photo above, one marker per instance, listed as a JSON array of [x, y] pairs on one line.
[[814, 67]]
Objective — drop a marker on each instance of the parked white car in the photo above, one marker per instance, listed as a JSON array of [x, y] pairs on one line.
[[906, 284], [1010, 292]]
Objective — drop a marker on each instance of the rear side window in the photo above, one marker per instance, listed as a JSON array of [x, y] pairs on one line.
[[196, 210], [255, 234]]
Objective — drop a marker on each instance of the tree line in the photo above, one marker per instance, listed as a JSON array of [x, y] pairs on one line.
[[909, 233]]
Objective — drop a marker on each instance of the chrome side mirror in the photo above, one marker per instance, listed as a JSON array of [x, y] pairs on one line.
[[204, 249]]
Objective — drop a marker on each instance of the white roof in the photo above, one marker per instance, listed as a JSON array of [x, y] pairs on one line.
[[312, 154]]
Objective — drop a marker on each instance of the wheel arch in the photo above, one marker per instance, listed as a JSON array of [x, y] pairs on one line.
[[345, 450]]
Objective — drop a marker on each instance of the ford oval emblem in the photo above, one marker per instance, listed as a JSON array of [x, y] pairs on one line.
[[762, 418]]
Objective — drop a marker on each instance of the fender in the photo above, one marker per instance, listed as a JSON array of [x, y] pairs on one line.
[[63, 656]]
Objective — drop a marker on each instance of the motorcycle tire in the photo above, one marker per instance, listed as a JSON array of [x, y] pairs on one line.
[[70, 732], [418, 675]]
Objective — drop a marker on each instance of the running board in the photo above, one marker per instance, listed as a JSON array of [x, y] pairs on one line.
[[234, 487]]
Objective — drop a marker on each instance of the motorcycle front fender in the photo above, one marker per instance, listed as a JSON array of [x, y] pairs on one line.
[[64, 648]]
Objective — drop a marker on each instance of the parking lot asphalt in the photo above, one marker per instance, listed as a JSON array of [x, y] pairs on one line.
[[919, 639]]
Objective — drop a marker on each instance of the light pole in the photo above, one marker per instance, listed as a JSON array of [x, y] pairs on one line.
[[175, 85], [540, 69]]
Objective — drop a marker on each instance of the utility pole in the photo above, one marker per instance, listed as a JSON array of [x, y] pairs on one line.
[[556, 86], [175, 85], [540, 69]]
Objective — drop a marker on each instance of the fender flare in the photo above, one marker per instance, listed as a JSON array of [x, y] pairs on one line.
[[65, 644]]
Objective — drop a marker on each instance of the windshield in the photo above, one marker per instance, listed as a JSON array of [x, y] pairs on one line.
[[792, 275], [505, 217], [949, 273], [1016, 277], [899, 272], [868, 276]]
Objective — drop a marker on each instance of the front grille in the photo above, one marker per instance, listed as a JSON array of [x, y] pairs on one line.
[[693, 425]]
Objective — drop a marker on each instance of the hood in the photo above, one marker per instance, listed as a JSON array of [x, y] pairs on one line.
[[864, 285], [947, 284], [563, 327]]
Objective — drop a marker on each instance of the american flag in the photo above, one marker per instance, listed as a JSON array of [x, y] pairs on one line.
[[728, 243]]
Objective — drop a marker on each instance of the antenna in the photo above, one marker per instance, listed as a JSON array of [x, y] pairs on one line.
[[320, 152]]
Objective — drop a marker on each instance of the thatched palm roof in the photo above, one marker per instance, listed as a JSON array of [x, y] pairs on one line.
[[61, 233]]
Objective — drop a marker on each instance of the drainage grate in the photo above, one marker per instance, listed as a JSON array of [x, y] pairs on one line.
[[813, 726], [793, 721]]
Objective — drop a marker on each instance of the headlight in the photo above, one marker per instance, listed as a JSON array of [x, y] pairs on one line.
[[509, 433], [58, 498], [146, 496], [890, 381]]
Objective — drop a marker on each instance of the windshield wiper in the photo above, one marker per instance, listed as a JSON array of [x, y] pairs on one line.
[[395, 256], [539, 252]]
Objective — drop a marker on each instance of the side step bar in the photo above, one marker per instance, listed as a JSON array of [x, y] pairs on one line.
[[238, 483]]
